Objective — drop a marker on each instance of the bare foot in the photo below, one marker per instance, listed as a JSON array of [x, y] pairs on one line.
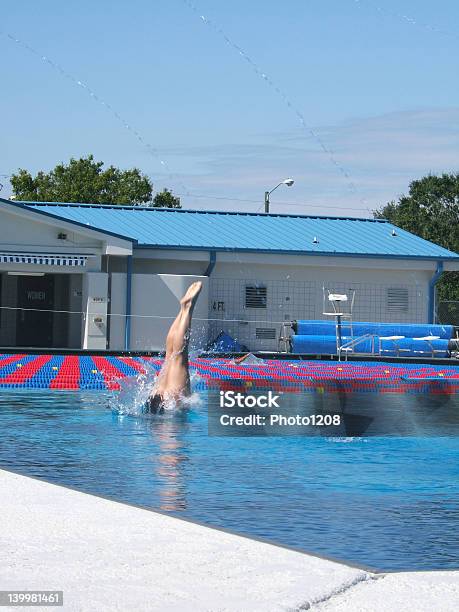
[[190, 297]]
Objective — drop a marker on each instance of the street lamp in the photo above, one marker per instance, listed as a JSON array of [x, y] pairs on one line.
[[289, 182]]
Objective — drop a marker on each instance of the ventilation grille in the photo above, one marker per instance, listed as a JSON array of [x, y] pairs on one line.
[[255, 297], [265, 333], [397, 299]]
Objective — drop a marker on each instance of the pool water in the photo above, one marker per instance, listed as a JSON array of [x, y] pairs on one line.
[[390, 503]]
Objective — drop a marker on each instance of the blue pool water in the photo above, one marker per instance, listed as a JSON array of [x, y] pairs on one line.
[[384, 502]]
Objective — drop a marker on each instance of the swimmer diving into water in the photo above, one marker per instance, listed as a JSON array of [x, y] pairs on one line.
[[173, 381]]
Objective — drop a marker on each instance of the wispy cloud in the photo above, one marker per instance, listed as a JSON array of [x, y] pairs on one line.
[[381, 154]]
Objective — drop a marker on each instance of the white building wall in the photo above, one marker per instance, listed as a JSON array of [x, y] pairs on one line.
[[154, 306], [117, 311], [19, 233], [296, 292], [95, 299], [150, 261], [190, 268]]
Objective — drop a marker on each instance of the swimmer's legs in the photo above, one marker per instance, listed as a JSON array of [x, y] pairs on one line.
[[181, 332], [171, 336], [175, 378]]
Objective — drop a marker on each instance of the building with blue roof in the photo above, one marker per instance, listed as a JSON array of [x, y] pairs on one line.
[[110, 276]]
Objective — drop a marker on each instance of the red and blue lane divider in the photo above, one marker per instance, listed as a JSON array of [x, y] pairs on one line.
[[75, 372], [23, 371], [8, 364], [300, 376], [68, 375]]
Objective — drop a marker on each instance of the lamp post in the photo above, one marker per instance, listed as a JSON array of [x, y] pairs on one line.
[[289, 182]]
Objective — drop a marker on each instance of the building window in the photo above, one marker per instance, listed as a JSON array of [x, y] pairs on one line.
[[264, 333], [397, 299], [255, 297]]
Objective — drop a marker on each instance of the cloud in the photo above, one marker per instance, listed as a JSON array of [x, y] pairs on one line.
[[381, 155]]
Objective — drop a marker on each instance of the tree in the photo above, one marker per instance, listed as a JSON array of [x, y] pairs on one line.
[[84, 180], [431, 210], [165, 199]]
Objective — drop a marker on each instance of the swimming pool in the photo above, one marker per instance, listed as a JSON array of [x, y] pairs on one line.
[[385, 502]]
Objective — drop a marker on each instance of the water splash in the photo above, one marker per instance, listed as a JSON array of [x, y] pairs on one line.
[[134, 392], [249, 360]]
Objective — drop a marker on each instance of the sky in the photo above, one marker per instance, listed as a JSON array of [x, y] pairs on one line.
[[220, 101]]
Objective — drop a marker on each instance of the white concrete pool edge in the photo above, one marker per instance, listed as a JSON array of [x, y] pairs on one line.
[[106, 555]]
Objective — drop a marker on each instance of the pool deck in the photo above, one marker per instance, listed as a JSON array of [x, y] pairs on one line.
[[106, 555]]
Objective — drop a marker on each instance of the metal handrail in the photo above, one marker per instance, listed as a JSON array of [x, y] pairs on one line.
[[284, 337], [353, 343]]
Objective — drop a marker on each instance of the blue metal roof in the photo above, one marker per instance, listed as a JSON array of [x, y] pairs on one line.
[[238, 231]]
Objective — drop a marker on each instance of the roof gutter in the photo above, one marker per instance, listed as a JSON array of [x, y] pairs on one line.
[[212, 262], [432, 283], [179, 247]]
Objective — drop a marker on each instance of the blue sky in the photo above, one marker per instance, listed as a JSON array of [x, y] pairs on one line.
[[379, 92]]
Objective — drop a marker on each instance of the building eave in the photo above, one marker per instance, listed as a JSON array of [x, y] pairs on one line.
[[62, 220], [296, 252]]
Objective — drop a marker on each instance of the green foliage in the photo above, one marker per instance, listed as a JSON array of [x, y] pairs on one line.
[[431, 210], [83, 180], [165, 199]]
